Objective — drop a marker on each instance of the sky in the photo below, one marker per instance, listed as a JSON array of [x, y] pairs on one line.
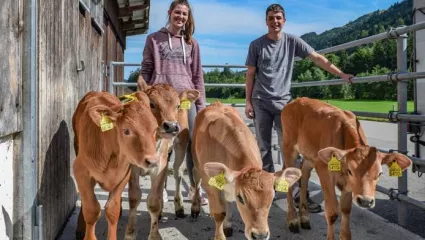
[[225, 28]]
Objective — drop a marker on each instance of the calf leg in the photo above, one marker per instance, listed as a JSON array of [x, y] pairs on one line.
[[290, 155], [306, 172], [346, 204], [228, 230], [134, 195], [113, 206], [196, 201], [180, 153], [155, 202], [90, 207], [331, 202], [217, 210]]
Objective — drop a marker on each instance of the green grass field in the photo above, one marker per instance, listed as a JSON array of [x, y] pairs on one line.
[[352, 105]]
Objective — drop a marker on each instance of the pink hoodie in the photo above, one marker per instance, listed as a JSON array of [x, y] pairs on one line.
[[165, 61]]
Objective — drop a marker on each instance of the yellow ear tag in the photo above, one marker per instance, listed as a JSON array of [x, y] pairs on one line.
[[395, 170], [334, 165], [185, 104], [128, 98], [282, 186], [105, 123], [218, 181]]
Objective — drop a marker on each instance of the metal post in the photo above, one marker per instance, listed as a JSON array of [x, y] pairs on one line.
[[111, 77], [27, 167], [402, 126]]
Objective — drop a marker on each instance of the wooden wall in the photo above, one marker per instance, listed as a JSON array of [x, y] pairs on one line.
[[113, 51], [66, 37], [10, 77]]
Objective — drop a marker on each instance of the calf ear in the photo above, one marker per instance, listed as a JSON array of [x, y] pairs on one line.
[[96, 112], [214, 169], [388, 158], [142, 97], [141, 84], [290, 175], [192, 95], [326, 154]]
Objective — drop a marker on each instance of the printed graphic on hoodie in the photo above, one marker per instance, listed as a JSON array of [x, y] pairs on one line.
[[175, 54]]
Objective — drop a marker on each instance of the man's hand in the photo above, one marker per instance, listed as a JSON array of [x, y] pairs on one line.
[[347, 77], [249, 110]]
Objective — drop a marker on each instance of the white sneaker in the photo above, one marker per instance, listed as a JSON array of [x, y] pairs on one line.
[[191, 193], [165, 195]]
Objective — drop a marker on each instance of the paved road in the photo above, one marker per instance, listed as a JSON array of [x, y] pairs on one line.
[[380, 223]]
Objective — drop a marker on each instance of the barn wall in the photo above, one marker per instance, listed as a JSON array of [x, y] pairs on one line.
[[66, 37]]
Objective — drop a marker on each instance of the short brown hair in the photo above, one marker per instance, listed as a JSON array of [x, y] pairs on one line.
[[275, 8]]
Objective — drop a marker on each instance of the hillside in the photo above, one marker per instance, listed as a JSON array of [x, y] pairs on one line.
[[366, 25]]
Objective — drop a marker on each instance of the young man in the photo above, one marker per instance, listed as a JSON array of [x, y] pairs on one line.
[[270, 61]]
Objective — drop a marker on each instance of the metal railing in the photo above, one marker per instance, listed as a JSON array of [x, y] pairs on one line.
[[400, 117]]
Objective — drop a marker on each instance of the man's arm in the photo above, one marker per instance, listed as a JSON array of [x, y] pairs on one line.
[[325, 64], [249, 84]]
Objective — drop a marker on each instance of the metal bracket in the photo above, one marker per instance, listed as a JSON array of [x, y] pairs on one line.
[[393, 193], [419, 169], [415, 139]]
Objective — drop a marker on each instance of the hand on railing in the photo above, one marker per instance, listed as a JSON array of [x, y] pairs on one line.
[[347, 77]]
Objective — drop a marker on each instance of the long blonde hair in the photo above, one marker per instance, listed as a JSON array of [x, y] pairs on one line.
[[189, 27]]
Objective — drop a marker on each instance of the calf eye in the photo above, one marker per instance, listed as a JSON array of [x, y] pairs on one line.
[[126, 131], [349, 172], [240, 199]]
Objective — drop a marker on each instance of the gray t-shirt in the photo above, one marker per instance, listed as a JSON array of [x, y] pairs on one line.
[[274, 61]]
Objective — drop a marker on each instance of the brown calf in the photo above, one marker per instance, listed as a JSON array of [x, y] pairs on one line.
[[222, 143], [318, 131], [165, 105], [109, 136]]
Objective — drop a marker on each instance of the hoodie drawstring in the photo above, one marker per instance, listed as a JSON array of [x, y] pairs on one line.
[[183, 46]]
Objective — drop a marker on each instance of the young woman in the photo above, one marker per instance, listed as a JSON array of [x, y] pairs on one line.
[[172, 56]]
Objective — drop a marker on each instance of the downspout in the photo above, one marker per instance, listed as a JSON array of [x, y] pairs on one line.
[[28, 164]]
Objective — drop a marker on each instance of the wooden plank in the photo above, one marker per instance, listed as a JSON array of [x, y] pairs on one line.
[[65, 38], [111, 12], [10, 77]]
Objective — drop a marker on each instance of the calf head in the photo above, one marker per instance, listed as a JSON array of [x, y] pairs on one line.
[[164, 104], [253, 190], [135, 128], [361, 167]]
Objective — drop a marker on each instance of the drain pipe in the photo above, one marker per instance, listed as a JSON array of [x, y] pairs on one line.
[[27, 166]]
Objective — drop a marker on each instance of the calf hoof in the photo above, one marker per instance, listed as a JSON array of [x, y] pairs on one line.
[[79, 235], [294, 227], [130, 236], [194, 214], [155, 236], [305, 225], [228, 232], [180, 213], [221, 237]]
